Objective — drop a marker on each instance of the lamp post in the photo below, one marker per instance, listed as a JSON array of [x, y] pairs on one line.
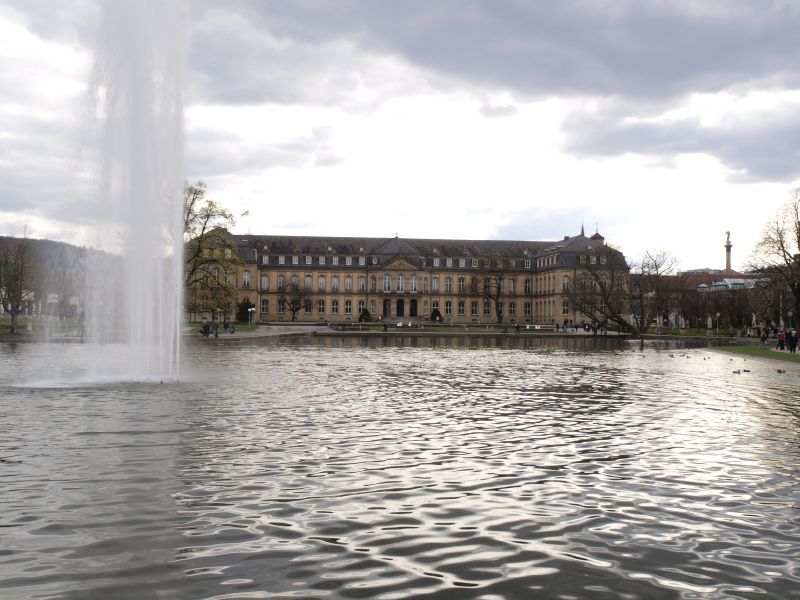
[[717, 323]]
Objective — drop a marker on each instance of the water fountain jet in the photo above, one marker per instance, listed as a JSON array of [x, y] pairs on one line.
[[138, 93]]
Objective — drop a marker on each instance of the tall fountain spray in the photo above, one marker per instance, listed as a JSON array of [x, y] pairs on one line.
[[138, 95]]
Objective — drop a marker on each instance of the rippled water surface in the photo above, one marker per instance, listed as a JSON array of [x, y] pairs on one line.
[[350, 471]]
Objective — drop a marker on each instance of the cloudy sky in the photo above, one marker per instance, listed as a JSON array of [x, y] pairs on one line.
[[662, 123]]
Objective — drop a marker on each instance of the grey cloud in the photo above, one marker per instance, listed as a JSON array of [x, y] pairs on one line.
[[643, 58], [761, 147], [488, 110], [644, 50], [212, 153]]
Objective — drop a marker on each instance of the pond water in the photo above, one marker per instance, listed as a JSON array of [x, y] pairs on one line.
[[402, 469]]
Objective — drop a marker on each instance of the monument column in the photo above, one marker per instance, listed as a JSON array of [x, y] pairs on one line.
[[728, 247]]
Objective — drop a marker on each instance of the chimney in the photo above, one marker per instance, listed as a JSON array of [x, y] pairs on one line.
[[728, 247]]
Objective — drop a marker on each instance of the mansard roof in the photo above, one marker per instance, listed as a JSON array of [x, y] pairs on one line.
[[567, 249], [387, 247]]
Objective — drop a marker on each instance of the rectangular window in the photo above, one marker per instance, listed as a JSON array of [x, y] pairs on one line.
[[373, 308], [448, 308], [335, 261], [474, 263], [512, 263], [527, 264], [512, 286], [335, 283], [307, 306], [227, 252], [461, 284], [362, 260], [449, 262], [348, 307], [387, 283], [593, 259], [414, 283], [473, 308], [400, 283], [281, 306], [245, 278], [321, 283], [321, 307], [295, 260], [527, 309], [281, 281], [335, 307], [448, 285], [461, 308], [308, 260], [435, 284], [487, 309], [361, 306], [462, 262], [265, 306], [435, 262], [322, 260], [362, 284], [527, 286], [264, 259], [307, 282], [434, 305], [512, 309], [565, 308], [265, 282], [281, 260], [348, 284], [348, 260]]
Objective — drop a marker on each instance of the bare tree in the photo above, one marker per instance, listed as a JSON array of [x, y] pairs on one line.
[[211, 256], [293, 298], [495, 276], [653, 292], [601, 290], [16, 278], [777, 253]]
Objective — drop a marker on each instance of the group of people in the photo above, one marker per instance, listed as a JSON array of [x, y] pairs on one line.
[[208, 329], [787, 340]]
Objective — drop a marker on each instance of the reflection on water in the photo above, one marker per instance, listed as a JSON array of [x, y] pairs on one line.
[[404, 468]]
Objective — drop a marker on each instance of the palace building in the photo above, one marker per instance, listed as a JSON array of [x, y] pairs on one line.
[[341, 279]]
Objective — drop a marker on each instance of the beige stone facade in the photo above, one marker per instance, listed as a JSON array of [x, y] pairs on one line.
[[335, 280]]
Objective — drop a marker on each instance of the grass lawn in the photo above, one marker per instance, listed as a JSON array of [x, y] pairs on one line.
[[761, 352]]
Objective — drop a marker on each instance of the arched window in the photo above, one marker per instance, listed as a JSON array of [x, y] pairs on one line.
[[448, 284]]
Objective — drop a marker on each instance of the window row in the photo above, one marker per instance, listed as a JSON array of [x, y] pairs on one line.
[[390, 283]]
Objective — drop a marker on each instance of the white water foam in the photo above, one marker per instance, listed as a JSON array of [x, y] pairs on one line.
[[138, 95]]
